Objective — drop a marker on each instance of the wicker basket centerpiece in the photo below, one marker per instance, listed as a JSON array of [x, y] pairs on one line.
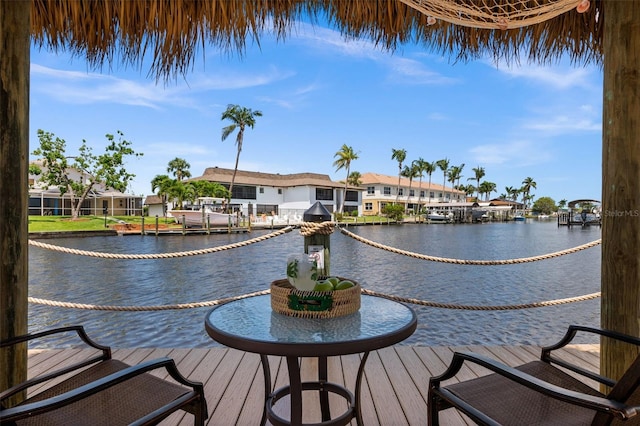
[[288, 300]]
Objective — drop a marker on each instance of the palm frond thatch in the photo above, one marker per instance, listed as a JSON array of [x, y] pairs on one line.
[[172, 31]]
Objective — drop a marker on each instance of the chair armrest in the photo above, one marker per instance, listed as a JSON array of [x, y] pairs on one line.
[[570, 335], [592, 402], [35, 408], [79, 330]]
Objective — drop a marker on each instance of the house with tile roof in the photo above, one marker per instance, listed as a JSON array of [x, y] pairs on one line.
[[380, 190]]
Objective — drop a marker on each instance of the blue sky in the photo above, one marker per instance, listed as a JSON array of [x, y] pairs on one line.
[[318, 91]]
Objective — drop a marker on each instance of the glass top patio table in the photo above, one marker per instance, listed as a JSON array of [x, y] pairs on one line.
[[250, 325]]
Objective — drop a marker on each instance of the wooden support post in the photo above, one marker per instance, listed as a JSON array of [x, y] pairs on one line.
[[15, 27], [620, 305]]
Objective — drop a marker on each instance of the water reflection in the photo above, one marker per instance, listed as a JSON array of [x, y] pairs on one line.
[[72, 278]]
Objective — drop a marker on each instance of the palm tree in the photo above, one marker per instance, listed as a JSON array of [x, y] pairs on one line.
[[429, 168], [479, 174], [410, 172], [399, 155], [562, 203], [487, 188], [444, 166], [455, 174], [344, 157], [162, 184], [420, 165], [527, 185], [354, 179], [180, 168], [240, 118]]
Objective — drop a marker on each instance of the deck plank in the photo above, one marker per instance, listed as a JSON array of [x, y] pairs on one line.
[[395, 383]]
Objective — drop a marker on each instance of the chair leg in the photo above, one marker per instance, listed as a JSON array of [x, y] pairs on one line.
[[432, 409]]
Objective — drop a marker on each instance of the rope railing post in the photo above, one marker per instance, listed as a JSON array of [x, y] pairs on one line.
[[316, 229]]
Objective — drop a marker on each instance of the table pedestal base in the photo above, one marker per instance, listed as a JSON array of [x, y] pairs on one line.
[[322, 386]]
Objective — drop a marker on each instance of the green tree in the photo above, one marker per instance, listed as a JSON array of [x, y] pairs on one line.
[[455, 174], [354, 179], [180, 168], [545, 205], [160, 185], [394, 212], [399, 155], [487, 188], [205, 188], [444, 166], [562, 203], [241, 118], [527, 185], [420, 165], [106, 169], [478, 174], [344, 157], [410, 172], [429, 168]]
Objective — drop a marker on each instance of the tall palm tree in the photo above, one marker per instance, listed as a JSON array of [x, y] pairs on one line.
[[444, 166], [429, 168], [162, 184], [479, 174], [180, 168], [410, 172], [527, 184], [344, 157], [241, 118], [420, 165], [399, 155]]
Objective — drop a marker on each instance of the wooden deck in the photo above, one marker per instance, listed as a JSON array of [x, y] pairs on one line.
[[394, 385]]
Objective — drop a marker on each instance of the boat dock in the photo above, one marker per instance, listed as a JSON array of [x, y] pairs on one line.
[[394, 384]]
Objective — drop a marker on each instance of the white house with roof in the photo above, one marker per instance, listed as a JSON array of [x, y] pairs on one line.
[[380, 190], [257, 194], [46, 201]]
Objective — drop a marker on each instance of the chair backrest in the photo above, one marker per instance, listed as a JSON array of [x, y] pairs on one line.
[[626, 390]]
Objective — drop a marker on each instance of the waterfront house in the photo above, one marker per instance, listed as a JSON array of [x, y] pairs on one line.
[[380, 190], [283, 196], [49, 201]]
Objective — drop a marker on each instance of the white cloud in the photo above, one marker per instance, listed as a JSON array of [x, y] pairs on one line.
[[554, 77], [511, 154]]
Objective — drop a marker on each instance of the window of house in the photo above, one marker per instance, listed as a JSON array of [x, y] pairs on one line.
[[401, 192], [431, 194], [324, 194], [387, 190], [262, 190], [422, 193], [371, 190], [279, 191], [368, 206], [244, 192], [352, 196], [412, 193]]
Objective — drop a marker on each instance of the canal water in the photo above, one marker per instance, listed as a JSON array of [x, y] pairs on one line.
[[80, 279]]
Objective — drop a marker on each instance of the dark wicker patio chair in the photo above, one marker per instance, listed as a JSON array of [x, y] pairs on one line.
[[539, 392], [102, 390]]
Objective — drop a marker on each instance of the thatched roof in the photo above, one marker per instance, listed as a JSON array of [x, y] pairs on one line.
[[173, 31]]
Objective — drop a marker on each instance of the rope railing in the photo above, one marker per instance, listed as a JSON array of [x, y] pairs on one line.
[[364, 291], [160, 255], [469, 261], [307, 229]]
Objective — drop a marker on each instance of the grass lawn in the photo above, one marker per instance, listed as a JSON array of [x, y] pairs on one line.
[[83, 223]]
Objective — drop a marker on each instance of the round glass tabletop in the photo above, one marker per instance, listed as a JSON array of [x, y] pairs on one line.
[[251, 325]]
